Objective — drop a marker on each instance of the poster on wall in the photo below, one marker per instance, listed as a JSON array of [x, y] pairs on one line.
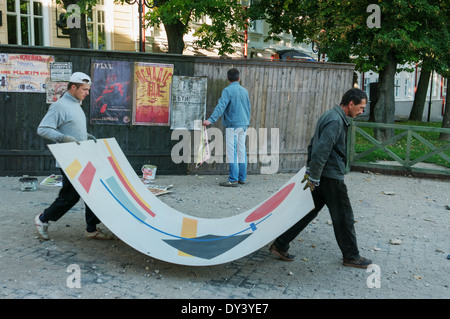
[[60, 71], [55, 90], [111, 92], [24, 72], [152, 93], [188, 102]]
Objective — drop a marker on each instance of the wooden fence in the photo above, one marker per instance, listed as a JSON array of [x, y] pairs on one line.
[[403, 163], [287, 96]]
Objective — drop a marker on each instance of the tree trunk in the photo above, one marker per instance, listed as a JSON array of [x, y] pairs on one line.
[[374, 93], [175, 34], [384, 109], [446, 121], [78, 36], [416, 113]]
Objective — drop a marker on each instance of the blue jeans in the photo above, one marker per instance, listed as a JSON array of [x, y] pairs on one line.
[[236, 153]]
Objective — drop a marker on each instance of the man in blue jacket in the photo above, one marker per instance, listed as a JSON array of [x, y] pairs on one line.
[[234, 105], [327, 159]]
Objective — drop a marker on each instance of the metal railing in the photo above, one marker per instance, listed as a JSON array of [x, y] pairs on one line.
[[406, 163]]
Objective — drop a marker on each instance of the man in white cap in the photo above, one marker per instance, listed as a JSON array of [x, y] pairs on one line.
[[65, 122]]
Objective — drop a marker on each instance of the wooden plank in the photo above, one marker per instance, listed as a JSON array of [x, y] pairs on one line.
[[380, 146], [302, 138], [272, 64], [430, 145], [408, 149], [285, 110], [407, 164], [436, 151], [265, 97], [293, 119], [377, 146]]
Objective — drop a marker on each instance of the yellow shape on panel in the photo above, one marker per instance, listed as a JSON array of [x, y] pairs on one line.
[[73, 169], [188, 230]]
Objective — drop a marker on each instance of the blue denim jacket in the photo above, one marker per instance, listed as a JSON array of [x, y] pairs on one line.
[[234, 104], [327, 152]]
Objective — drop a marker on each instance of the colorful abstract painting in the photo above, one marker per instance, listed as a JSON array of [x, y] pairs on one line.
[[105, 180]]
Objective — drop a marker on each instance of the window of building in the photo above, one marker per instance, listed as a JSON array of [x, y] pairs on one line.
[[436, 84], [254, 25], [366, 87], [25, 21], [96, 27], [397, 87], [444, 87], [406, 92]]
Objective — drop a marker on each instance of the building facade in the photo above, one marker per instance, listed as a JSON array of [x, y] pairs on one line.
[[115, 27], [33, 22], [405, 88]]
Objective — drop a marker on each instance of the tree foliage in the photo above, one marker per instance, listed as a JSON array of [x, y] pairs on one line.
[[228, 19], [409, 31], [78, 36]]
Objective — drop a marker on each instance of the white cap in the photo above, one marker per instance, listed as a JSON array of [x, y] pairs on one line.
[[80, 77]]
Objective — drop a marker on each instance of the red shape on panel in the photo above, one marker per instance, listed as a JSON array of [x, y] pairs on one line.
[[87, 176], [130, 191], [273, 202]]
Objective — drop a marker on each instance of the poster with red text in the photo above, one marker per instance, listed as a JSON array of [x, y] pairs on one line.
[[24, 72], [152, 93]]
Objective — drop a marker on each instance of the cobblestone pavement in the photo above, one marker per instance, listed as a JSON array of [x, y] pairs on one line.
[[413, 211]]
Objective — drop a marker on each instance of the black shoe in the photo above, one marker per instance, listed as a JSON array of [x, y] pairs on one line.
[[229, 184], [241, 182], [281, 254], [360, 262]]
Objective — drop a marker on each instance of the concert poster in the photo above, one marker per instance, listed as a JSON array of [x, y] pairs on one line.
[[111, 92], [152, 93]]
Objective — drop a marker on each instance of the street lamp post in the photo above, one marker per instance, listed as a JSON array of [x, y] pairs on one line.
[[149, 4]]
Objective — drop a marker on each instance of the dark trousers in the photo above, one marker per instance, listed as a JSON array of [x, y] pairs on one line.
[[333, 193], [67, 198]]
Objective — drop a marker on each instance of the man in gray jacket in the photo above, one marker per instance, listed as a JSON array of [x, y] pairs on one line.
[[65, 122], [327, 159]]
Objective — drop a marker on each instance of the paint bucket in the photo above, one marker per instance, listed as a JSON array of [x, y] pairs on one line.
[[148, 171], [28, 184]]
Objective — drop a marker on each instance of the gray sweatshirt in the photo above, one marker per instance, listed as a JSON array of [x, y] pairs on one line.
[[64, 117]]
